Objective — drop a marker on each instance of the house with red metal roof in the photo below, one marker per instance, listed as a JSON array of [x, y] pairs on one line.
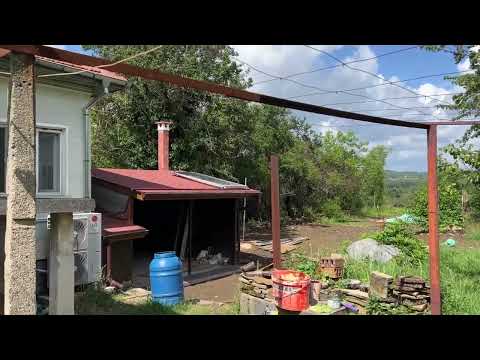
[[166, 210]]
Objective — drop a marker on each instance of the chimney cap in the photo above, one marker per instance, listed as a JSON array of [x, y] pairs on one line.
[[163, 125]]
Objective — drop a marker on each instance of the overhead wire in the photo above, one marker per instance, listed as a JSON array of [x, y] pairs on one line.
[[106, 65], [391, 82], [335, 66], [386, 82], [323, 90], [390, 98]]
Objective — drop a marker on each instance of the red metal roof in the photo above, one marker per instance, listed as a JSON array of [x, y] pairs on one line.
[[156, 184], [99, 71], [114, 226]]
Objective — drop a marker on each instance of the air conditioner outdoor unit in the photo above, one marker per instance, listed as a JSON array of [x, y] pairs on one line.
[[87, 245]]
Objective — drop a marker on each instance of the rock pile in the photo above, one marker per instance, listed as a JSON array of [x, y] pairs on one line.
[[411, 291], [257, 283]]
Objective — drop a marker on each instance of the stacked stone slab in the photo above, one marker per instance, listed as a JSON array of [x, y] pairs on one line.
[[412, 291], [257, 284]]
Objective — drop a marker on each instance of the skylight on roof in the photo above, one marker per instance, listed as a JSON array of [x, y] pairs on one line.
[[210, 180]]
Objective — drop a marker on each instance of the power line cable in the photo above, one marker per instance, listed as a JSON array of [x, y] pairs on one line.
[[391, 82], [370, 73], [106, 65], [323, 90], [390, 98], [336, 66]]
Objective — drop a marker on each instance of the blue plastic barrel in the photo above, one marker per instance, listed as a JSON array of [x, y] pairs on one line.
[[166, 278]]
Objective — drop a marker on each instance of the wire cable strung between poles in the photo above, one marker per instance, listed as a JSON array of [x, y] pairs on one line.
[[386, 82], [326, 91], [335, 66], [391, 82], [106, 65], [389, 98]]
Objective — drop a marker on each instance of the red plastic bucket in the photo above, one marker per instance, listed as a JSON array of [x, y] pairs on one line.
[[291, 290]]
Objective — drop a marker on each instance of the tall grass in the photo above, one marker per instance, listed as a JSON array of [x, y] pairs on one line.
[[459, 270]]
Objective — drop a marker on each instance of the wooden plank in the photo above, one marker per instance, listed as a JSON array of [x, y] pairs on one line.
[[355, 293]]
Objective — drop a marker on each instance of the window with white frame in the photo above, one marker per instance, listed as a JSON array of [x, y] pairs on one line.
[[49, 168], [49, 160]]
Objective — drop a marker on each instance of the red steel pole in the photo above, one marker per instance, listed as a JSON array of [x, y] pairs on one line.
[[433, 222], [275, 205]]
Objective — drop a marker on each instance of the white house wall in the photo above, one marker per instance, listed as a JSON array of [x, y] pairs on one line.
[[58, 108]]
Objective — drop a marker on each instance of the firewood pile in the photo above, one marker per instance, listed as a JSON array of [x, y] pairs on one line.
[[411, 291], [257, 283]]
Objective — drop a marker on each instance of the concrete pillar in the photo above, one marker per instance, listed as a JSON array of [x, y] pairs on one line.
[[61, 277], [20, 252]]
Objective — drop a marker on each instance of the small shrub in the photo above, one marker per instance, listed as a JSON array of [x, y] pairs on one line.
[[376, 307], [474, 205], [332, 210], [450, 207], [300, 262], [401, 235]]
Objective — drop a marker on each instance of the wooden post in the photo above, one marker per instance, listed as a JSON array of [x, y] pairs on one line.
[[190, 232], [275, 204], [433, 244], [20, 247], [236, 241], [61, 276]]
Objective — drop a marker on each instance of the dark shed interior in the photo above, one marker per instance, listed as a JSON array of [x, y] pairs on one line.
[[214, 224]]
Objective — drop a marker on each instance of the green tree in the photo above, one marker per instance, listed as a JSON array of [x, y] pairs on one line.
[[468, 106], [373, 176]]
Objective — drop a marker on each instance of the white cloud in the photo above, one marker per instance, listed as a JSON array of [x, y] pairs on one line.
[[464, 65], [408, 145]]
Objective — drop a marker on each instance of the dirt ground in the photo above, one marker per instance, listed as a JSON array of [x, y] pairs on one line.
[[321, 239]]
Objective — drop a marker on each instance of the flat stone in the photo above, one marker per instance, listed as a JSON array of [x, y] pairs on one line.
[[380, 285]]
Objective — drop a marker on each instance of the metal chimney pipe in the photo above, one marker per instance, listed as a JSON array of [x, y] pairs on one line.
[[163, 128]]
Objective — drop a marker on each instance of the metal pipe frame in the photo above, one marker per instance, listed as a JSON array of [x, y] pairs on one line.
[[433, 237], [431, 127], [275, 205]]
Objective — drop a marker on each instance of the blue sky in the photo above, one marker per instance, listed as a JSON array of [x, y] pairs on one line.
[[407, 146]]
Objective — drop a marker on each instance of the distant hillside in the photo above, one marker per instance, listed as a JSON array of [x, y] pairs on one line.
[[394, 176], [401, 185]]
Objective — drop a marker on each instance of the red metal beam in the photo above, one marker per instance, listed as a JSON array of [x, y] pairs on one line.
[[435, 296], [275, 205], [4, 52], [80, 59]]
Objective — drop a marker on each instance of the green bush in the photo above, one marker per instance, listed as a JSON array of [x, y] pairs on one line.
[[475, 204], [332, 210], [450, 206], [401, 235]]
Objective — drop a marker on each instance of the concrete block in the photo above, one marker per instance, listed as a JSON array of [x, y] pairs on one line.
[[251, 305], [379, 285]]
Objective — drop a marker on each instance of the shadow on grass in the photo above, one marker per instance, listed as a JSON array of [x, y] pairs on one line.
[[96, 302]]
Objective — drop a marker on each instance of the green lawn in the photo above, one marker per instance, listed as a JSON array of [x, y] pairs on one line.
[[96, 302], [459, 271]]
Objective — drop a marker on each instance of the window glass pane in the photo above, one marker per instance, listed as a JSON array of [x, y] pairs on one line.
[[48, 162], [3, 161]]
